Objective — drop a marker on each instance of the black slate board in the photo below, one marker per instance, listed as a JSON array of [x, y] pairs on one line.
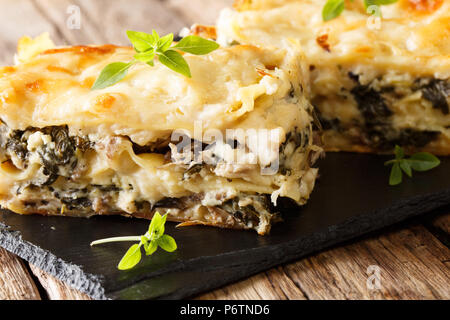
[[352, 197]]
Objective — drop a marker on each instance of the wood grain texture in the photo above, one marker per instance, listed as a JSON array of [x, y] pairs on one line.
[[439, 226], [15, 280], [15, 18], [198, 11], [101, 21], [119, 15], [412, 264], [269, 285], [56, 289]]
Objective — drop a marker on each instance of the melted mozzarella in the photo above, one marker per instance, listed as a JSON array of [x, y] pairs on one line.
[[410, 41], [413, 36], [243, 87], [52, 87]]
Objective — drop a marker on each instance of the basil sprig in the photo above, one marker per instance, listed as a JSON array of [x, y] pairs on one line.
[[147, 47], [368, 3], [334, 8], [421, 161], [151, 240]]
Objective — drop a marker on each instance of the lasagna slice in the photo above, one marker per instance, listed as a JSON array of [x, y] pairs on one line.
[[220, 148], [376, 82]]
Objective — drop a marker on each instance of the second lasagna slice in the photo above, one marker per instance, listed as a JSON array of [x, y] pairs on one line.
[[219, 148], [376, 82]]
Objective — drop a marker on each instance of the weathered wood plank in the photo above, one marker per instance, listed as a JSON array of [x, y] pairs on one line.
[[104, 21], [198, 11], [101, 21], [273, 284], [412, 264], [18, 18], [56, 289], [15, 280], [439, 226], [256, 287], [284, 285], [70, 23], [113, 18], [162, 15]]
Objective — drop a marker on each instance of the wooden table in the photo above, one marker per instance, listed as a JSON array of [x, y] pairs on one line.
[[412, 259]]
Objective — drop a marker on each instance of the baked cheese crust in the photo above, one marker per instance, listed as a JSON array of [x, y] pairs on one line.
[[376, 83], [66, 149]]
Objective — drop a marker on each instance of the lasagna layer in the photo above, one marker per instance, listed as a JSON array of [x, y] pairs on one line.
[[376, 83], [146, 143]]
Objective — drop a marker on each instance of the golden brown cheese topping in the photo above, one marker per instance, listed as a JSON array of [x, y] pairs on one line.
[[412, 34], [68, 150], [52, 87], [376, 82]]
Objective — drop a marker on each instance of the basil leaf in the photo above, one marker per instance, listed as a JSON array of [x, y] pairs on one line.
[[387, 163], [405, 166], [368, 3], [399, 153], [396, 175], [165, 42], [196, 45], [150, 247], [155, 225], [141, 41], [175, 61], [146, 57], [163, 220], [167, 243], [423, 161], [131, 258], [157, 228], [332, 9], [159, 231], [111, 74], [155, 232]]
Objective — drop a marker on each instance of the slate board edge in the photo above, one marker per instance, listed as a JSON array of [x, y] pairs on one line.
[[67, 272], [349, 229]]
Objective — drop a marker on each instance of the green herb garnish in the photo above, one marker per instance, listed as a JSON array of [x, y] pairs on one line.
[[333, 8], [421, 161], [153, 238], [368, 3], [147, 47]]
